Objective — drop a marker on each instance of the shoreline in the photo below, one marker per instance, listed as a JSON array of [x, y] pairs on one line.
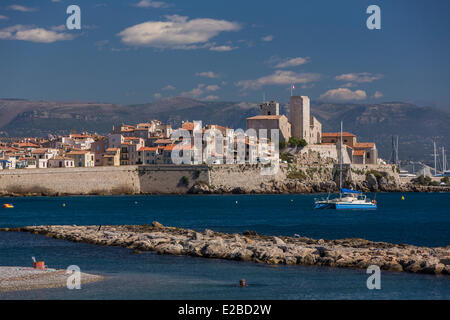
[[27, 278], [202, 191], [251, 247]]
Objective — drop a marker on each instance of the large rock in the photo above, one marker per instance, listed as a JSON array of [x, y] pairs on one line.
[[372, 182]]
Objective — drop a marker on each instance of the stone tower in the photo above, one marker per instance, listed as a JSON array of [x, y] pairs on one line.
[[300, 117], [271, 108]]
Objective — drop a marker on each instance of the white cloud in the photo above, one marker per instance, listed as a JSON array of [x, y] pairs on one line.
[[268, 38], [157, 95], [176, 32], [151, 4], [195, 92], [3, 17], [212, 87], [56, 0], [222, 48], [61, 27], [362, 77], [207, 74], [343, 94], [210, 98], [198, 91], [17, 7], [280, 77], [378, 95], [292, 62], [33, 34], [168, 87]]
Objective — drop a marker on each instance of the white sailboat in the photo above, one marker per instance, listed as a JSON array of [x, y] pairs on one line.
[[347, 198]]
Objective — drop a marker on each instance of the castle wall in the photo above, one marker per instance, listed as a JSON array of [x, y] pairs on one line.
[[103, 180]]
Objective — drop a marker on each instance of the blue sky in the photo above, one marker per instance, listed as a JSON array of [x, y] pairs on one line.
[[138, 51]]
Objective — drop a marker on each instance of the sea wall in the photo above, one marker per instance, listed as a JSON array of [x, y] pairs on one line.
[[102, 180], [300, 177], [237, 178]]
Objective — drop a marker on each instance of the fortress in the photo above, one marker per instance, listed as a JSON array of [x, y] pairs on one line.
[[300, 124]]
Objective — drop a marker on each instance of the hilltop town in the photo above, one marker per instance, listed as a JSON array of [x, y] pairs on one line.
[[306, 157], [151, 142]]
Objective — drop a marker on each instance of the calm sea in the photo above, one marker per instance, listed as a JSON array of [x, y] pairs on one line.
[[420, 219]]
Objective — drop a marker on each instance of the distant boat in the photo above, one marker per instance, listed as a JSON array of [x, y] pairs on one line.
[[347, 198]]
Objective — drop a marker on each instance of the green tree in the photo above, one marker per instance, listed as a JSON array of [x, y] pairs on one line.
[[296, 142]]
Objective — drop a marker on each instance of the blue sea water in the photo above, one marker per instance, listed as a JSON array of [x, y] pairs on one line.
[[420, 219]]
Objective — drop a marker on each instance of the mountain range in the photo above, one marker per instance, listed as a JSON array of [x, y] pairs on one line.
[[416, 126]]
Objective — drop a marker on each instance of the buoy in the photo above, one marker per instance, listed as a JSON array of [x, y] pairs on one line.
[[63, 204], [236, 202], [8, 206], [39, 265], [292, 200], [403, 197], [242, 283]]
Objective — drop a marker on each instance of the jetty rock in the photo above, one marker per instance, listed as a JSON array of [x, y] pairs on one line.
[[250, 246]]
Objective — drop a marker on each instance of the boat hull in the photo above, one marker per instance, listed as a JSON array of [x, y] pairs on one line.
[[355, 206], [345, 206]]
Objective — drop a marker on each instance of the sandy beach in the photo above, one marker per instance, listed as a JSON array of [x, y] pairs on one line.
[[27, 278]]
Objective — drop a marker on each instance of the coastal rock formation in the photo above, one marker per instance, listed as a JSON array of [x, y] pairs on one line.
[[356, 253]]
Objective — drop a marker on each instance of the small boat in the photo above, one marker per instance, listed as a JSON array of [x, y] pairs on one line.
[[348, 198], [8, 206]]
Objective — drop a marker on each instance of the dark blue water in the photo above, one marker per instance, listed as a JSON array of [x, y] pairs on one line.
[[421, 219]]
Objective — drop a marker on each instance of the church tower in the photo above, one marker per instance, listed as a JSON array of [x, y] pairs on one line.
[[300, 117], [271, 108]]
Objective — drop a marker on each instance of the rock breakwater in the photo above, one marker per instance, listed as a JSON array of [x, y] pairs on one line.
[[249, 246]]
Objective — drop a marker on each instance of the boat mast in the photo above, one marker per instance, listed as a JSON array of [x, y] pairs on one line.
[[444, 161], [340, 164], [435, 155]]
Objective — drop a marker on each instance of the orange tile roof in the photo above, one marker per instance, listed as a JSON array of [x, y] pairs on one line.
[[364, 145], [358, 153], [75, 152], [169, 148], [188, 126], [27, 145], [337, 134], [131, 138], [183, 147], [75, 135], [148, 149], [162, 141]]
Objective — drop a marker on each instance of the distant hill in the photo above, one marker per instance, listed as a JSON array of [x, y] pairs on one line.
[[416, 126]]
